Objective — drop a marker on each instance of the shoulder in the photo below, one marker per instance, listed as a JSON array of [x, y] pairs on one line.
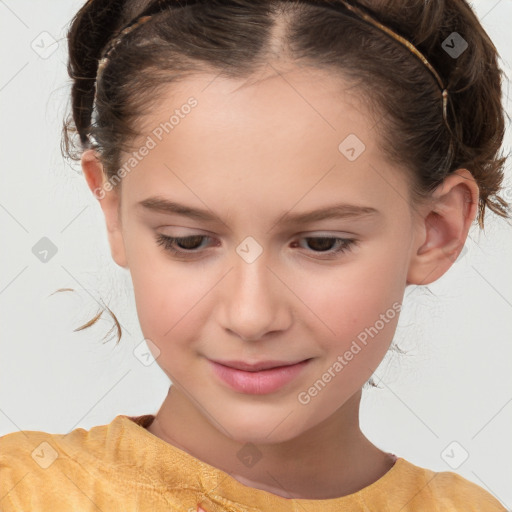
[[452, 489], [108, 467], [31, 450], [449, 491], [26, 450], [24, 456], [37, 468]]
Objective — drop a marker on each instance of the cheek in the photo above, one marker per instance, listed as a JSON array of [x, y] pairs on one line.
[[170, 313], [168, 293], [168, 302], [358, 302], [355, 316]]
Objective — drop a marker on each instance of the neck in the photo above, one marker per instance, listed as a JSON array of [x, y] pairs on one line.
[[330, 460]]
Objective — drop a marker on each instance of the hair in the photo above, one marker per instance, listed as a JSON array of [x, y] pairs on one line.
[[237, 38]]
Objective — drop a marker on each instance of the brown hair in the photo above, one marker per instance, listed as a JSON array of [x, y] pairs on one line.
[[239, 37]]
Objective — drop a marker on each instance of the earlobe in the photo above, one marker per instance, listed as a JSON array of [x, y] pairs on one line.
[[444, 228], [109, 200]]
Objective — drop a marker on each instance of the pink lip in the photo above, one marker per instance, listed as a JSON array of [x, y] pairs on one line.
[[254, 367], [257, 382]]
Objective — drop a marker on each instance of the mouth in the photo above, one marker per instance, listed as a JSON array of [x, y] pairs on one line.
[[257, 378], [258, 366]]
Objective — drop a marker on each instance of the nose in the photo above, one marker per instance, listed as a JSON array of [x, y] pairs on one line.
[[256, 300]]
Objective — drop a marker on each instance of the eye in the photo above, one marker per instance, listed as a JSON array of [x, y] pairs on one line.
[[325, 244], [189, 246]]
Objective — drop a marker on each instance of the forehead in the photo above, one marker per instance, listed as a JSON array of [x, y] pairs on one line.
[[283, 136], [275, 105]]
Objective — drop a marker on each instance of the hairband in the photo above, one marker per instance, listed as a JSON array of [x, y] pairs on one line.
[[162, 5]]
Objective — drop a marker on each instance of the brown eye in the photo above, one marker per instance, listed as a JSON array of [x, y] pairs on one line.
[[328, 245], [189, 242], [321, 243], [185, 244]]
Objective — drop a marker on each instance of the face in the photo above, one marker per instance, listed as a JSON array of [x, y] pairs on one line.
[[253, 282]]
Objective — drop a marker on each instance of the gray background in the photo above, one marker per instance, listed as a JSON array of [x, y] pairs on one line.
[[453, 386]]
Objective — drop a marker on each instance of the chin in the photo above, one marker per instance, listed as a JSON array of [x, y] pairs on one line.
[[261, 429]]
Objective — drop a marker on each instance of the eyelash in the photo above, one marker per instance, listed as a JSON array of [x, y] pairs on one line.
[[168, 242]]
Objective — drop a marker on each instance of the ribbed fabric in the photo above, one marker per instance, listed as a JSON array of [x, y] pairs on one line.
[[122, 467]]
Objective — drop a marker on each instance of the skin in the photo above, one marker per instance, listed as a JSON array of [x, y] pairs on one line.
[[249, 152]]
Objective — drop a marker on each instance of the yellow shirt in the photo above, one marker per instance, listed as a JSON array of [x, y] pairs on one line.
[[122, 467]]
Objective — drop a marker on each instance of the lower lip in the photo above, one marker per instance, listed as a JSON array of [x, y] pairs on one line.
[[261, 382]]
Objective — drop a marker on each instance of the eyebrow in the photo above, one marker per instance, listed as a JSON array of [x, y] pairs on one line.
[[337, 211]]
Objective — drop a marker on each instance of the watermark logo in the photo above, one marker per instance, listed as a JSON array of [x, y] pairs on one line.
[[351, 147], [249, 455], [146, 352], [454, 45], [44, 45], [454, 455], [44, 455], [44, 250], [249, 250]]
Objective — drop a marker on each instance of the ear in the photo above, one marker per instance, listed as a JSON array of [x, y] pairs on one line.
[[443, 227], [109, 199]]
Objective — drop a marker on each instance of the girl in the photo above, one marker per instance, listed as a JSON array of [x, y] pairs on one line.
[[274, 175]]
